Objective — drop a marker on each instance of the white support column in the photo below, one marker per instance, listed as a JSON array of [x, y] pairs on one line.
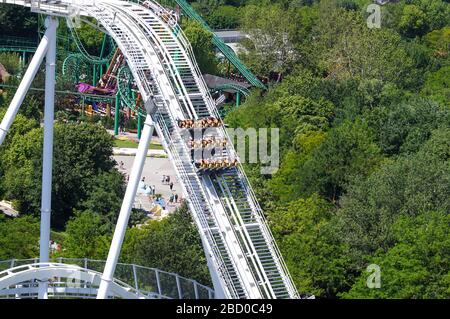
[[158, 282], [180, 292], [127, 204], [47, 159], [26, 81]]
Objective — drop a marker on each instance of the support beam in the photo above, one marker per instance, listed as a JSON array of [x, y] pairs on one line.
[[238, 99], [117, 115], [94, 75], [122, 222], [47, 160], [102, 53], [219, 292], [27, 79], [139, 126], [83, 106]]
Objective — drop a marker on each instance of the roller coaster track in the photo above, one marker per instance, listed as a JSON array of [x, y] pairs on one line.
[[74, 62], [17, 44], [89, 97], [85, 55], [225, 49], [233, 87], [124, 86], [132, 281], [242, 255]]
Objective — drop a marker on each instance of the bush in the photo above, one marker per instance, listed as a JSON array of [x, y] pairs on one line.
[[224, 17], [11, 62]]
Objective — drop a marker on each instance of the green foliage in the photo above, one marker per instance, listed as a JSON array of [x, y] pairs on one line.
[[17, 21], [21, 125], [414, 18], [363, 116], [80, 167], [201, 41], [21, 168], [19, 238], [295, 107], [437, 85], [437, 12], [353, 50], [105, 197], [412, 21], [315, 262], [224, 17], [11, 62], [409, 185], [172, 244], [360, 148], [91, 39], [84, 234], [404, 127], [269, 47], [307, 114], [33, 103], [438, 40], [286, 183], [417, 266], [347, 153]]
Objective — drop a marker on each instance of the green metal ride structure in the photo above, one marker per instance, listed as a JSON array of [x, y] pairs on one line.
[[81, 66]]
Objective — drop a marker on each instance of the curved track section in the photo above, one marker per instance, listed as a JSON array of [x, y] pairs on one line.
[[79, 278], [242, 255], [18, 281], [232, 87], [222, 46]]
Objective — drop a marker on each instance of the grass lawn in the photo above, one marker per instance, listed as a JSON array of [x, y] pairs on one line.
[[132, 144]]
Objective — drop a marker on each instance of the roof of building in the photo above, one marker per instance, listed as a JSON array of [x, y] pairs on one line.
[[230, 36], [213, 81]]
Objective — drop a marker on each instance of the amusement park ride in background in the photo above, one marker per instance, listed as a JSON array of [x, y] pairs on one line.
[[117, 80], [86, 71], [153, 71]]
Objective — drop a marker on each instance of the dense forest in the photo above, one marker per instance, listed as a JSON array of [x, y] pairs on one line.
[[364, 116], [364, 119]]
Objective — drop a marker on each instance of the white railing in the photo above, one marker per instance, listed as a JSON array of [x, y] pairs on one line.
[[141, 281], [199, 214]]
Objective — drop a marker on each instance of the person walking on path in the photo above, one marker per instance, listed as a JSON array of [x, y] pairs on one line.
[[171, 186]]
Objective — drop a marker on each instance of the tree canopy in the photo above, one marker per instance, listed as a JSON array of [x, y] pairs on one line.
[[363, 115], [82, 168]]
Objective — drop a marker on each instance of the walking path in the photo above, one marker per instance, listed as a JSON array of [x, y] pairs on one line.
[[133, 151], [153, 172]]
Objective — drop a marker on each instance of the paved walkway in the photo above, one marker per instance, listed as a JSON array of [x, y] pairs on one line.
[[132, 152], [154, 169]]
